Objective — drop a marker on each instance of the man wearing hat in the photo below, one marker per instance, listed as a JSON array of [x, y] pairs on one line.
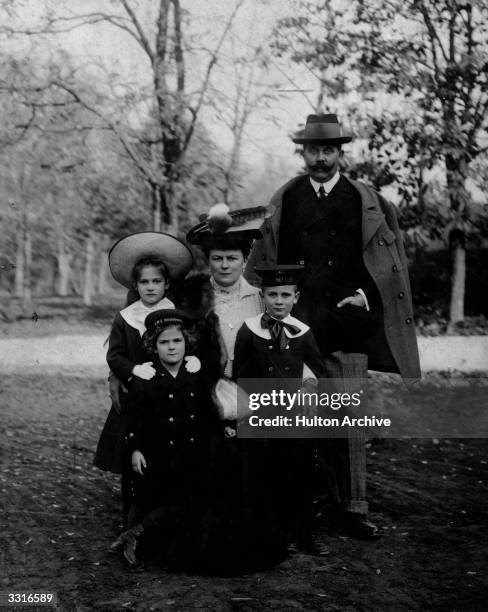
[[355, 288]]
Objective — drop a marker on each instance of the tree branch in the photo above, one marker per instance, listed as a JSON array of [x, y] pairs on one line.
[[213, 60], [143, 168], [141, 35]]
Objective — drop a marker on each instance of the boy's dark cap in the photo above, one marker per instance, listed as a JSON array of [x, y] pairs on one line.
[[274, 276], [167, 316]]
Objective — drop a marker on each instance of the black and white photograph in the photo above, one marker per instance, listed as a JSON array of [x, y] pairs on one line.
[[243, 305]]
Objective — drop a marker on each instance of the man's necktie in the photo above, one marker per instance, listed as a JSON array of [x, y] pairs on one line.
[[322, 194], [277, 330]]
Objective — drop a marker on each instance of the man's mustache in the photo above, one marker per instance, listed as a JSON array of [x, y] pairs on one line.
[[320, 166]]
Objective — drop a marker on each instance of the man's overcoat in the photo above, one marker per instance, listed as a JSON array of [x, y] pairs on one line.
[[394, 347]]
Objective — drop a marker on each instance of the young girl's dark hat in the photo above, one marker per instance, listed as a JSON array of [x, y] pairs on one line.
[[167, 316], [127, 251]]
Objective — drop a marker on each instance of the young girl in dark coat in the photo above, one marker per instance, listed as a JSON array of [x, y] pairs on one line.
[[145, 263], [171, 420]]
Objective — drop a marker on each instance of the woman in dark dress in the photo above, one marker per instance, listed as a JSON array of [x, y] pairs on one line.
[[240, 534]]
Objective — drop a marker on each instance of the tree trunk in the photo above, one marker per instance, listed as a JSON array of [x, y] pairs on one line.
[[19, 267], [27, 292], [103, 268], [456, 173], [156, 203], [63, 260], [172, 211], [88, 282], [456, 307]]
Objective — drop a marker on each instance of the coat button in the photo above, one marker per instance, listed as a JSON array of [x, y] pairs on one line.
[[270, 346], [333, 232], [286, 368], [401, 295], [408, 320], [170, 396], [301, 262], [394, 268], [191, 394], [192, 416], [327, 294], [380, 242], [330, 263], [171, 443], [171, 419], [305, 233], [270, 369], [192, 439], [263, 257]]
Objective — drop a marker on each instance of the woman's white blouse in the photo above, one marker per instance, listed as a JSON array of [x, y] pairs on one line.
[[233, 305]]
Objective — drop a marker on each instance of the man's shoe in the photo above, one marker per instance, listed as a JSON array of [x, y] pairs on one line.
[[358, 526]]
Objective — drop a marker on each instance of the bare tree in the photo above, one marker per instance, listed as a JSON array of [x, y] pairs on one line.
[[158, 155]]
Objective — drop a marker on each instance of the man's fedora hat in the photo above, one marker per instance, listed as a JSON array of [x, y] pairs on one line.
[[127, 251], [322, 129]]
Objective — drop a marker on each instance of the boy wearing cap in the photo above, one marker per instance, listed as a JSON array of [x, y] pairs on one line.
[[278, 346]]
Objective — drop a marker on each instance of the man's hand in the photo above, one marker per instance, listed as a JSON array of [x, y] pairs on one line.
[[138, 462], [144, 370], [354, 300], [229, 432]]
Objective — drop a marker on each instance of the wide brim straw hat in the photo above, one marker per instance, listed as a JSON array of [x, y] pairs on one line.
[[322, 129], [127, 251]]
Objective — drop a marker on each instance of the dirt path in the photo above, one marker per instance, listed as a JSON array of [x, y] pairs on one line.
[[58, 515]]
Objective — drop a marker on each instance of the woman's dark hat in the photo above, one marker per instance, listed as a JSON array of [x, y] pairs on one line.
[[275, 276], [126, 252], [223, 228], [167, 316], [322, 129]]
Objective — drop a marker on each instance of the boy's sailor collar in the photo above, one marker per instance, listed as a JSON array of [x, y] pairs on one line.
[[135, 314], [254, 324]]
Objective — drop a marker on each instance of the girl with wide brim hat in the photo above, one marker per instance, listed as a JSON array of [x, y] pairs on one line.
[[127, 357], [127, 251]]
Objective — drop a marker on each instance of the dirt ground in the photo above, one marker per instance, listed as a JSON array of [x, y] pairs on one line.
[[59, 514]]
